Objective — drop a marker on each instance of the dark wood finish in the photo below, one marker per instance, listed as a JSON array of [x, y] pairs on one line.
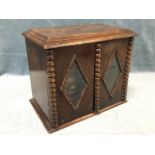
[[46, 122], [75, 35], [38, 75], [77, 71], [97, 77], [111, 49], [85, 59]]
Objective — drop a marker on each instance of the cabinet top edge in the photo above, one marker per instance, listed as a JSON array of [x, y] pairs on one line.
[[54, 37]]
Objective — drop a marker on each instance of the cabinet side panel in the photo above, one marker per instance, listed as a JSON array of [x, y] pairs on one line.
[[37, 68]]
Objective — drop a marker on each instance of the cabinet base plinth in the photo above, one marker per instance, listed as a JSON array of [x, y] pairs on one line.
[[46, 122]]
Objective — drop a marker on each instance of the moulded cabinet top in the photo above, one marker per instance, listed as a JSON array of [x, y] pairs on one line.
[[54, 37]]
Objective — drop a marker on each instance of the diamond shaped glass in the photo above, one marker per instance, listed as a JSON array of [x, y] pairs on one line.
[[112, 74], [74, 85]]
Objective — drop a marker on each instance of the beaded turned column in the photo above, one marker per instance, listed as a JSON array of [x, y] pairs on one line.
[[127, 68], [97, 76], [52, 100]]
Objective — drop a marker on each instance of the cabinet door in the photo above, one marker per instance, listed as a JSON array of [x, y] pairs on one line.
[[113, 56], [75, 81]]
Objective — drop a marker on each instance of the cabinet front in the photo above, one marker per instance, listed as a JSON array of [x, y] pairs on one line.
[[113, 56], [75, 81]]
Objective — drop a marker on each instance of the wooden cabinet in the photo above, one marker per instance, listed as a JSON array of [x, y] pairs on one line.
[[77, 71]]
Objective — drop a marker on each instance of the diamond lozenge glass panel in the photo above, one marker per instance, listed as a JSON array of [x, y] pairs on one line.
[[74, 85], [112, 74]]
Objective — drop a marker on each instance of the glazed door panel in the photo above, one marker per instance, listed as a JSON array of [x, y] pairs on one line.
[[75, 81], [113, 56]]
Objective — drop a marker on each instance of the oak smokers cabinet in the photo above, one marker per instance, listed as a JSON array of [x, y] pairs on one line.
[[77, 71]]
